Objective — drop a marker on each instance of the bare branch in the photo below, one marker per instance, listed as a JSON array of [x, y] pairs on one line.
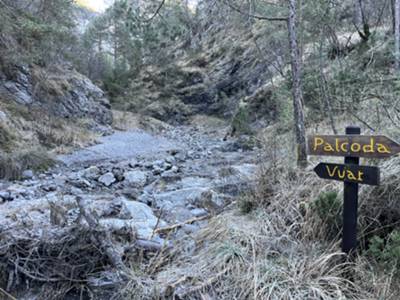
[[156, 12], [237, 9]]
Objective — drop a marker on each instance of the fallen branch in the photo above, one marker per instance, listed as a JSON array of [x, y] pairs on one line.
[[104, 239], [145, 245], [202, 286], [9, 296], [179, 225]]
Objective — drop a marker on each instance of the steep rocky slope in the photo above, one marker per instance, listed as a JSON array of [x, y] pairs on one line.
[[49, 107], [221, 69]]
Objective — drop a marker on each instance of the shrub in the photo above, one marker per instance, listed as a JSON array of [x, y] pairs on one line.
[[386, 252], [245, 204], [240, 123], [327, 207]]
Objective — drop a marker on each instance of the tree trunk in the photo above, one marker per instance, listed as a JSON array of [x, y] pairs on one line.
[[397, 35], [393, 11], [297, 91], [325, 90], [357, 15]]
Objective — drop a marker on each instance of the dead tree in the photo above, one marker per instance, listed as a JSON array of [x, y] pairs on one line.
[[296, 86], [397, 34]]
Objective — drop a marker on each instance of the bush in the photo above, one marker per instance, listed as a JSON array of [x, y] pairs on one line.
[[328, 207], [240, 123], [386, 252]]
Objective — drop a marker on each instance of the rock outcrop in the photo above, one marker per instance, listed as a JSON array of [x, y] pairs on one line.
[[63, 93]]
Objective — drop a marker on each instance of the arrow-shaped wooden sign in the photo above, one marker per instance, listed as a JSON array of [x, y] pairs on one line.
[[378, 146], [348, 173]]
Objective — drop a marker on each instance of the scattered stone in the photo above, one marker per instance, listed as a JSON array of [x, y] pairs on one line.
[[49, 187], [179, 198], [142, 219], [107, 179], [92, 172], [246, 171], [212, 202], [28, 174], [6, 196], [131, 193], [157, 171], [135, 178], [133, 163], [118, 173], [199, 212]]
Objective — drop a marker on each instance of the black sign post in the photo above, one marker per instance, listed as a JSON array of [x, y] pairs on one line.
[[350, 205], [352, 146]]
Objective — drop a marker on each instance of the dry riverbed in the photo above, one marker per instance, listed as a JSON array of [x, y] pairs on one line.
[[134, 191]]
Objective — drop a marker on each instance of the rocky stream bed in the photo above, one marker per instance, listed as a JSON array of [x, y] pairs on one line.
[[137, 185]]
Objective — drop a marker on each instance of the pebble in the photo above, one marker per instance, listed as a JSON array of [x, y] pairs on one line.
[[107, 179]]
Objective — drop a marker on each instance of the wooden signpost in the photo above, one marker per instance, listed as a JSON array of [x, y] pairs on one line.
[[348, 173], [352, 146]]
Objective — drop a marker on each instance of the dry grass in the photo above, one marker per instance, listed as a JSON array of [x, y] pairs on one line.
[[253, 257], [380, 206], [125, 120], [12, 165], [25, 127], [279, 251]]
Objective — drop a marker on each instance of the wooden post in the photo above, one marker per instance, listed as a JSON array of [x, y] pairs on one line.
[[350, 205]]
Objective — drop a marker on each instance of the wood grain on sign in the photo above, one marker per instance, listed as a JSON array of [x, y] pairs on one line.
[[352, 145], [349, 173]]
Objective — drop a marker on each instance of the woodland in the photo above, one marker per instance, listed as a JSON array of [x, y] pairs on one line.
[[160, 149]]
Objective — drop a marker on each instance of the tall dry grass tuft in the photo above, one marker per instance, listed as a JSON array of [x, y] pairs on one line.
[[380, 206], [13, 164], [277, 251], [255, 257]]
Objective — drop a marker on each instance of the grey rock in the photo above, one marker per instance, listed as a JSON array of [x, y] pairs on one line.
[[199, 212], [130, 193], [49, 187], [6, 196], [142, 219], [107, 179], [133, 163], [178, 214], [157, 170], [179, 198], [93, 172], [3, 116], [28, 174], [135, 178], [212, 201], [246, 171], [79, 98], [118, 173]]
